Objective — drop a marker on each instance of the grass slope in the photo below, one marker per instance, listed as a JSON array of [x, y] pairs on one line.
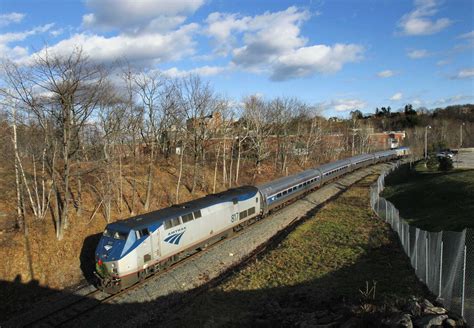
[[433, 200], [325, 260]]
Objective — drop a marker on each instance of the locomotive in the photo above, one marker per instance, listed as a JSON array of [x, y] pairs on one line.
[[132, 249]]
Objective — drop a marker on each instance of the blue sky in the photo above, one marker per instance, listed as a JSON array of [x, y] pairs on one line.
[[338, 55]]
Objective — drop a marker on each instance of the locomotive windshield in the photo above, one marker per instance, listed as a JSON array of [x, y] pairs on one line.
[[115, 234]]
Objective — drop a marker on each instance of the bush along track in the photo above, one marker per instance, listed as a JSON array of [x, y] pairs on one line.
[[341, 266]]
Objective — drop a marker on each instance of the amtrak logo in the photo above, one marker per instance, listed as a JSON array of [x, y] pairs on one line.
[[174, 238]]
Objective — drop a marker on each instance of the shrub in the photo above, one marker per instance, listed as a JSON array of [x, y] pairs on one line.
[[445, 164], [432, 163]]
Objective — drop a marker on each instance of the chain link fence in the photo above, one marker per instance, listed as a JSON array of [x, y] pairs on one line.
[[444, 260]]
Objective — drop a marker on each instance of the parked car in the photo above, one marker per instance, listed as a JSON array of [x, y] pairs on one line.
[[445, 154]]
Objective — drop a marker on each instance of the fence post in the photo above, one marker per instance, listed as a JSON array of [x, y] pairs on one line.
[[386, 211], [440, 269], [426, 260], [416, 250], [408, 243], [463, 282]]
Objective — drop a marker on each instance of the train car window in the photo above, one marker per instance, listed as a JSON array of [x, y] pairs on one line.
[[187, 217], [243, 215], [145, 232], [285, 192], [197, 214], [251, 211], [168, 224], [279, 195], [235, 201]]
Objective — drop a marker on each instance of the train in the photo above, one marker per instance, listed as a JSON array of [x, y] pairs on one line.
[[132, 249]]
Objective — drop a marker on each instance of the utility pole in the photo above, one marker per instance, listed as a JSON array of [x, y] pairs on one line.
[[426, 141], [460, 134]]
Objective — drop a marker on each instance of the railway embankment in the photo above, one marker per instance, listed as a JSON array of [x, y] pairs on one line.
[[341, 267], [166, 293]]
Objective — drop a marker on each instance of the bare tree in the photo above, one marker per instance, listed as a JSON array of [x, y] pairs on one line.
[[257, 116], [61, 92], [197, 103]]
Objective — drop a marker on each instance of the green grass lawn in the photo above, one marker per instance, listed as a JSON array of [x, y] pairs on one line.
[[326, 260], [433, 200]]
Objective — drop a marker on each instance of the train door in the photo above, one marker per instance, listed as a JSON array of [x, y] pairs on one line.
[[235, 210], [155, 244], [144, 249]]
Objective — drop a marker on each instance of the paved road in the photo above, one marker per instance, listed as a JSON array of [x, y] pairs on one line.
[[464, 159]]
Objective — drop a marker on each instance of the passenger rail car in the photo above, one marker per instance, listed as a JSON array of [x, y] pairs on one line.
[[131, 249]]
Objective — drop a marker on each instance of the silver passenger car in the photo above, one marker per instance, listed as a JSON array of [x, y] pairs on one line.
[[276, 193]]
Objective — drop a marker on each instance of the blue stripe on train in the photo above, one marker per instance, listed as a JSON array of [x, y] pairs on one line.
[[175, 238]]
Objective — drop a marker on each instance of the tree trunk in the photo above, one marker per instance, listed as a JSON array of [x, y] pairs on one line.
[[215, 170], [180, 174], [150, 178], [237, 169], [231, 162], [224, 171], [120, 198], [20, 221]]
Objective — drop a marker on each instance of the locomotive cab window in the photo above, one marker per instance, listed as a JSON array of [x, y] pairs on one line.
[[172, 223], [187, 217], [120, 235], [142, 232]]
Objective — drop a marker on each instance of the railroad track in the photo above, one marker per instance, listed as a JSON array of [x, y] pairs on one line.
[[81, 305]]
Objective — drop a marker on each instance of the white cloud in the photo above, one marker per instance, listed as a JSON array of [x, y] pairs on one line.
[[146, 48], [452, 100], [272, 43], [443, 62], [57, 32], [307, 61], [386, 73], [467, 73], [468, 35], [342, 105], [264, 35], [418, 53], [7, 19], [138, 16], [18, 52], [420, 20], [202, 71], [397, 96], [417, 102]]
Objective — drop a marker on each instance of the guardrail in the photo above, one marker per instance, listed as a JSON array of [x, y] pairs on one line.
[[443, 260]]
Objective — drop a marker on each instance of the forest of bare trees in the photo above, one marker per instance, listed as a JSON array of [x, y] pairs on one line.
[[80, 140]]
